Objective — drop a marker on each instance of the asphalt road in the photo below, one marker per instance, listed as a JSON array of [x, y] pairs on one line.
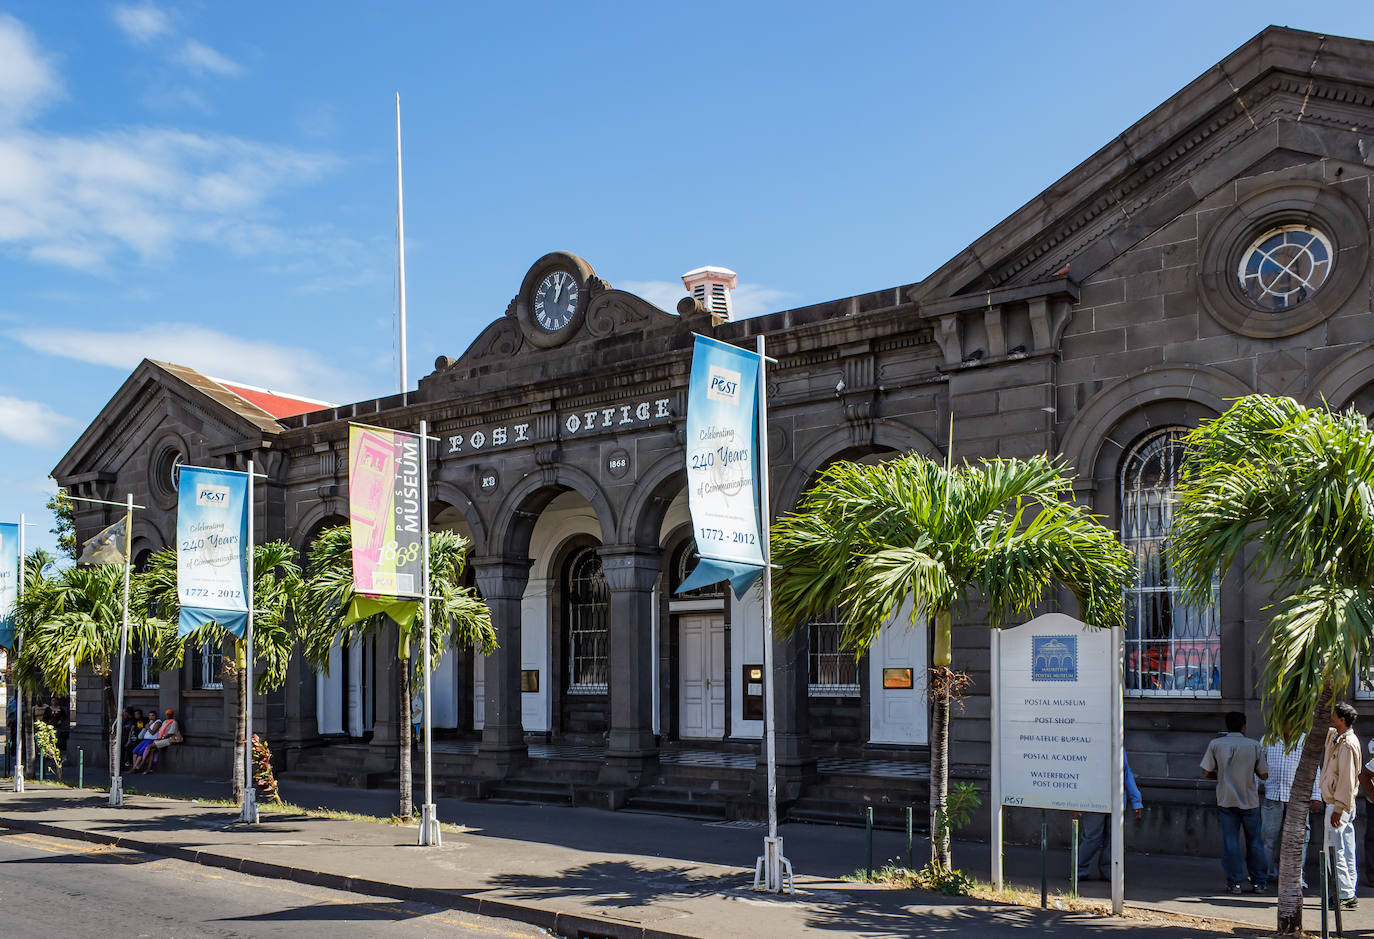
[[52, 887]]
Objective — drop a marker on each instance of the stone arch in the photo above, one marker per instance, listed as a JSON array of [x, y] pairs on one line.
[[442, 493], [649, 501], [887, 435], [1340, 382], [310, 525], [510, 532], [147, 536], [1092, 427]]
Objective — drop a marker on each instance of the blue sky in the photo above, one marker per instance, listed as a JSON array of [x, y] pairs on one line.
[[214, 183]]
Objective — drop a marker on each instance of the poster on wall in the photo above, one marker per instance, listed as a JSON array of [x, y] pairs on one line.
[[212, 532], [9, 582], [1055, 714], [384, 511], [722, 465]]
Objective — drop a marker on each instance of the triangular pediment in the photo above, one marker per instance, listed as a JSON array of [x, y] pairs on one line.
[[1281, 99], [154, 396]]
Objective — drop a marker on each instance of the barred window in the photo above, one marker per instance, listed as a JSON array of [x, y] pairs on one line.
[[206, 667], [831, 671], [1171, 649], [687, 560], [1364, 679], [145, 674], [587, 608]]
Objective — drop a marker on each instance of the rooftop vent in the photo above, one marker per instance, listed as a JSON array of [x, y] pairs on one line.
[[711, 286]]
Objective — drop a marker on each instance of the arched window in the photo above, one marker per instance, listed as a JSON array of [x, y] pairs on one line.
[[586, 610], [686, 562], [1171, 649]]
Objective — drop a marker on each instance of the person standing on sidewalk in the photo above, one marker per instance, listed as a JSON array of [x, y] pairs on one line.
[[1283, 765], [1234, 760], [1095, 854], [1340, 775]]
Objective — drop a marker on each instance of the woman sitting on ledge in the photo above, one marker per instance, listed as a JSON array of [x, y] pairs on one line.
[[164, 734]]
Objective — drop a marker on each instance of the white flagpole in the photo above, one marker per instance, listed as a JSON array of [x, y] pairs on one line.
[[995, 775], [429, 819], [248, 811], [19, 695], [1118, 780], [116, 758], [775, 866], [401, 250]]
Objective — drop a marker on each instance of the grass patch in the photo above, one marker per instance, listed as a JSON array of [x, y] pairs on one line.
[[267, 808]]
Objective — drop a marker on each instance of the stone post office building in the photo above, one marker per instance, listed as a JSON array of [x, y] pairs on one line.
[[1217, 247]]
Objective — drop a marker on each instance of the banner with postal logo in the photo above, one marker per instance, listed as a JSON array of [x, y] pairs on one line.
[[722, 465], [212, 533], [384, 468], [9, 583]]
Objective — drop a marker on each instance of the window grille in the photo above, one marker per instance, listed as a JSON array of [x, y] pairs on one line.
[[687, 559], [831, 671], [587, 609], [207, 666], [1364, 679], [1172, 650], [145, 674]]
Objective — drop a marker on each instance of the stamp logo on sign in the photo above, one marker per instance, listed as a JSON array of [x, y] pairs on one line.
[[1054, 658]]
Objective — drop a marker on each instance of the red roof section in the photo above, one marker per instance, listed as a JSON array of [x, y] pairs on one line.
[[275, 403]]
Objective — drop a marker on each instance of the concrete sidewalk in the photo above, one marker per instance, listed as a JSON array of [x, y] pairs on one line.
[[588, 872]]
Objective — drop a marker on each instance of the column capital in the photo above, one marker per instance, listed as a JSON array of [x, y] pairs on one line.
[[630, 566], [501, 576]]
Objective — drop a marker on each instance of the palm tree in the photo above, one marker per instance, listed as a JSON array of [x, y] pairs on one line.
[[865, 538], [37, 568], [74, 620], [327, 615], [276, 584], [1297, 485]]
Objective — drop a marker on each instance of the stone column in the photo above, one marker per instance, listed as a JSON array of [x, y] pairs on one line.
[[630, 572], [792, 728], [502, 581]]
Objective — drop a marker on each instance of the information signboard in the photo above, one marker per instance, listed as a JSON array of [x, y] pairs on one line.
[[1055, 709]]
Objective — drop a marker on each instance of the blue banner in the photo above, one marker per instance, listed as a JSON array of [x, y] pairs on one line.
[[722, 465], [9, 582], [212, 534]]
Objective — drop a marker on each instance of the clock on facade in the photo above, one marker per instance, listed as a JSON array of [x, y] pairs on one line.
[[555, 300]]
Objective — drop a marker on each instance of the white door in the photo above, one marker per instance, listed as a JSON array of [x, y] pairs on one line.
[[896, 683], [329, 716], [356, 716], [479, 691], [443, 693], [701, 677]]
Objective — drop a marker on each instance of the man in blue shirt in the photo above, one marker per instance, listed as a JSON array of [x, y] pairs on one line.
[[1095, 853]]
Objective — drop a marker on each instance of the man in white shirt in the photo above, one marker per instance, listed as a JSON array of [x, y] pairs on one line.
[[1283, 765]]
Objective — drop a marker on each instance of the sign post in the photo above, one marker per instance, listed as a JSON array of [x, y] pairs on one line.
[[1056, 725], [429, 817]]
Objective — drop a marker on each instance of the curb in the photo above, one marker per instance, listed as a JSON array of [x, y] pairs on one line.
[[571, 925]]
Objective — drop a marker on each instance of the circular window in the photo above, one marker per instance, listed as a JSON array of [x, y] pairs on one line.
[[1283, 259], [1284, 267], [166, 473]]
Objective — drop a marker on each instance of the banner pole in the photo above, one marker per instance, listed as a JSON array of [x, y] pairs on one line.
[[774, 861], [248, 811], [429, 820], [18, 742], [401, 255], [117, 755], [1118, 779], [995, 770]]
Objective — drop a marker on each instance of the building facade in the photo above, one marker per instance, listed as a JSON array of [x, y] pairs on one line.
[[1218, 247]]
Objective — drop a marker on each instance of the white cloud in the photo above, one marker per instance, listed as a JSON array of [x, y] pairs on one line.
[[27, 79], [201, 59], [209, 351], [31, 422], [143, 23], [749, 299]]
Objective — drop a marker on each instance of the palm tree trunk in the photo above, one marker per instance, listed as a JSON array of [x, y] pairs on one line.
[[939, 766], [107, 708], [242, 731], [403, 730], [1293, 834]]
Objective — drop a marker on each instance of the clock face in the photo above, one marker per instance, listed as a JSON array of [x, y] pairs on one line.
[[555, 300]]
